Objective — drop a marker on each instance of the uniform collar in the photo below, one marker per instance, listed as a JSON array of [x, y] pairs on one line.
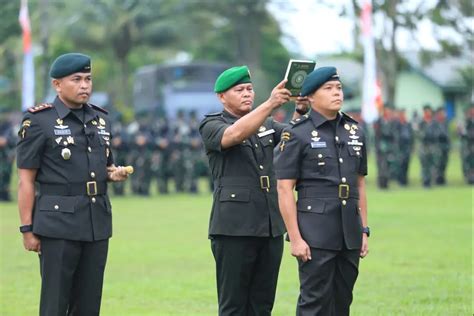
[[229, 117], [318, 119], [64, 111]]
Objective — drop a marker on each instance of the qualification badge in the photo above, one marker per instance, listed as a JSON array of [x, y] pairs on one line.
[[66, 153]]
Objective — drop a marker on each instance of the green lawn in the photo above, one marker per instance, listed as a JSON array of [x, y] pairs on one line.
[[160, 261]]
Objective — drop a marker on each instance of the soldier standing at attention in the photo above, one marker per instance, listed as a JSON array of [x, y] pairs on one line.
[[405, 146], [7, 154], [246, 228], [428, 143], [64, 148], [323, 155], [443, 146]]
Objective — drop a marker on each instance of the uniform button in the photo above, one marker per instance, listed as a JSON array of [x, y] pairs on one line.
[[357, 153], [232, 195], [343, 179], [320, 156], [256, 145], [344, 202], [92, 174], [93, 200], [261, 167], [336, 138], [65, 143], [309, 207], [56, 207], [85, 125], [89, 149], [270, 141], [244, 142], [341, 160]]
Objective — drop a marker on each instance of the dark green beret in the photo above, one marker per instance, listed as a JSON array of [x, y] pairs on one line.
[[68, 64], [317, 78], [232, 77]]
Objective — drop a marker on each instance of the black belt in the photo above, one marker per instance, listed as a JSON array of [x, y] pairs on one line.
[[90, 188], [342, 191], [262, 182]]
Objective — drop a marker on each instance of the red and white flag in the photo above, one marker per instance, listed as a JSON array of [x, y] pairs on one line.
[[28, 79], [370, 90]]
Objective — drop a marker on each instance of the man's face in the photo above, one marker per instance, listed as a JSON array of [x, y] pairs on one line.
[[328, 97], [238, 100], [74, 89]]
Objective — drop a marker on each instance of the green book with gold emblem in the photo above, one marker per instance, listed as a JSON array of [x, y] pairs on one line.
[[296, 72]]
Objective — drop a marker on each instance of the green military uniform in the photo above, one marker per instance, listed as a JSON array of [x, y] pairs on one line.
[[467, 147], [385, 147], [72, 216], [427, 151], [405, 147], [326, 158], [442, 150], [245, 216], [7, 155], [161, 154], [245, 227], [142, 149]]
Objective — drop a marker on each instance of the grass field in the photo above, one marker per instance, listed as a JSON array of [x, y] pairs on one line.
[[160, 263]]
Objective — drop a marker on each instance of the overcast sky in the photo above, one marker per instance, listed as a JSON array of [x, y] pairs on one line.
[[318, 29]]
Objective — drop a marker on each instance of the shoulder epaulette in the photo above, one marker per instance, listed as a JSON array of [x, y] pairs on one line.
[[40, 107], [349, 118], [299, 120], [213, 114], [98, 108]]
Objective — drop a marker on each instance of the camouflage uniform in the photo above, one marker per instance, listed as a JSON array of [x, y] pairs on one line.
[[7, 155], [141, 150], [385, 143], [442, 149], [180, 163], [405, 147], [467, 147], [427, 151], [161, 154]]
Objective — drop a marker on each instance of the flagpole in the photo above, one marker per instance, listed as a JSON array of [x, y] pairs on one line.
[[28, 74]]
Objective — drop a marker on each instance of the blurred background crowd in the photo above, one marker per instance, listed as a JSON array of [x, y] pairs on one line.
[[155, 63]]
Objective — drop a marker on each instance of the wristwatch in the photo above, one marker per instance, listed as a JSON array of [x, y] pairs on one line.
[[26, 228], [366, 230]]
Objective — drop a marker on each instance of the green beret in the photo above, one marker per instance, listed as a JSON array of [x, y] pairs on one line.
[[68, 64], [317, 78], [232, 77]]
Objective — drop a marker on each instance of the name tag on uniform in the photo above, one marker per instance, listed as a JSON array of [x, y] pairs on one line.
[[267, 132], [318, 145], [62, 132], [103, 132]]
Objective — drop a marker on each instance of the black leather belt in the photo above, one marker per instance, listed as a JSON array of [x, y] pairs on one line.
[[262, 182], [342, 191], [90, 188]]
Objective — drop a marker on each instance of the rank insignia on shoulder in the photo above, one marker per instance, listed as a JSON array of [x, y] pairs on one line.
[[285, 136], [40, 107]]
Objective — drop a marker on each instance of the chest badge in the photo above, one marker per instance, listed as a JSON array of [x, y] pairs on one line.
[[262, 129], [70, 140], [347, 127], [60, 124], [315, 137], [66, 153]]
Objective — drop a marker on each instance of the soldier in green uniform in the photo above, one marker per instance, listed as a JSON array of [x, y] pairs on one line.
[[467, 146], [161, 154], [142, 148], [7, 155], [428, 142], [195, 158], [385, 147], [324, 157], [64, 149], [405, 147], [246, 227], [181, 165], [443, 146]]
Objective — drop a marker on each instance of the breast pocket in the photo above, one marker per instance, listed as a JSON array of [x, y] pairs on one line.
[[321, 161], [355, 155]]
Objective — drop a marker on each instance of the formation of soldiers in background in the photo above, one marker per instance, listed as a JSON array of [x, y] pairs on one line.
[[395, 142], [165, 152]]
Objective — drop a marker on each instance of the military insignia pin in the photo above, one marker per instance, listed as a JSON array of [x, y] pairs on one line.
[[59, 121], [70, 140], [101, 121], [314, 133], [262, 129], [347, 127], [58, 139], [94, 122], [66, 153]]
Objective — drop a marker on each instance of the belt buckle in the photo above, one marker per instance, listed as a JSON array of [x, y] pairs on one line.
[[91, 188], [265, 183], [343, 191]]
